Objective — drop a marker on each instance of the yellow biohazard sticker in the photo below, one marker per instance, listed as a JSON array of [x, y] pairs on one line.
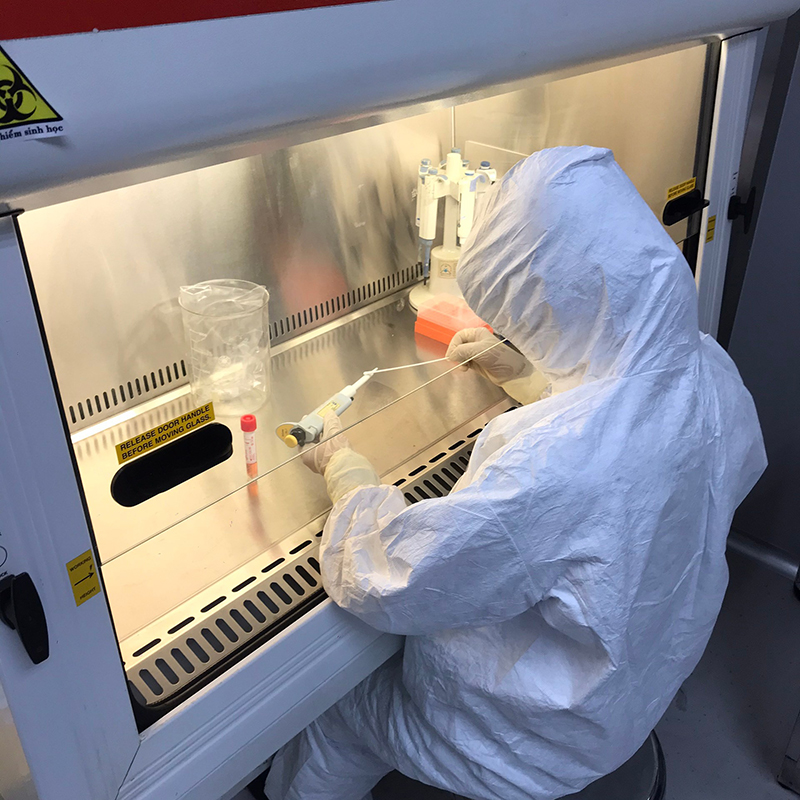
[[83, 577], [712, 224], [166, 432], [24, 113], [681, 188]]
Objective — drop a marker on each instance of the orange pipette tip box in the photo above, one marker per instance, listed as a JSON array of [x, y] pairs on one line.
[[442, 317]]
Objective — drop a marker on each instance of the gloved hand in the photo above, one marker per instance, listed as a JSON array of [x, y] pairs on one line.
[[334, 459], [502, 365]]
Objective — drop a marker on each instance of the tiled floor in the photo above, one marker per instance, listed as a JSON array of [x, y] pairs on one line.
[[725, 733]]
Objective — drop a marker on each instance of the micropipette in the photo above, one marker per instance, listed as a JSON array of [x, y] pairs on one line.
[[309, 429]]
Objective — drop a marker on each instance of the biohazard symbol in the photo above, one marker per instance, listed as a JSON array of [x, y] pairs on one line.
[[17, 101], [20, 102]]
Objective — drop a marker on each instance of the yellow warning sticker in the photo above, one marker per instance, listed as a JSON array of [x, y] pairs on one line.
[[24, 113], [712, 224], [681, 188], [166, 432], [83, 577]]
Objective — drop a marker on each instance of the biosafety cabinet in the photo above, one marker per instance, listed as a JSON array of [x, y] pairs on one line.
[[164, 648]]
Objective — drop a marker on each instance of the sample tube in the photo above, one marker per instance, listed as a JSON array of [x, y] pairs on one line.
[[249, 425]]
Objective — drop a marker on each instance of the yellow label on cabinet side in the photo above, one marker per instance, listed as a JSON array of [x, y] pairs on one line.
[[712, 224], [681, 188], [83, 577], [166, 432]]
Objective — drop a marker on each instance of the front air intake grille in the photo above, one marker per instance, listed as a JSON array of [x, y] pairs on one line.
[[439, 475], [221, 620], [167, 664]]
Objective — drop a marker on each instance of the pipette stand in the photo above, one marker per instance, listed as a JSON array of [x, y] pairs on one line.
[[459, 186]]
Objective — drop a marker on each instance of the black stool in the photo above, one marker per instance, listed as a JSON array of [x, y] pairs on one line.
[[641, 777]]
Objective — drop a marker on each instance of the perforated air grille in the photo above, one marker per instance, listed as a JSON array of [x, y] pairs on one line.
[[311, 317], [173, 652], [195, 644], [440, 473], [114, 399]]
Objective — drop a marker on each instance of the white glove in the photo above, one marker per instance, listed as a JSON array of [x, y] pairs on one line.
[[334, 459], [502, 365]]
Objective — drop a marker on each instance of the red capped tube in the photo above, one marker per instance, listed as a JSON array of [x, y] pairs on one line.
[[249, 425]]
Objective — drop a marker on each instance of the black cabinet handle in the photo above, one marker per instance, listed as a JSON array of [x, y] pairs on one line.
[[743, 208], [21, 609]]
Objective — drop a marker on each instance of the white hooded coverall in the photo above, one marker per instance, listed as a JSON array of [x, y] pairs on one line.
[[555, 601]]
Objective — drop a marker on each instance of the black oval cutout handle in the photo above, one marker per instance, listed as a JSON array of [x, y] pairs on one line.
[[683, 206], [22, 610], [171, 464]]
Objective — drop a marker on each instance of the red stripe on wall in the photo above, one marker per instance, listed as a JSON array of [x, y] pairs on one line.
[[22, 19]]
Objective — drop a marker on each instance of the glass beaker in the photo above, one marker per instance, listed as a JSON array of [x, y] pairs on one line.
[[226, 323]]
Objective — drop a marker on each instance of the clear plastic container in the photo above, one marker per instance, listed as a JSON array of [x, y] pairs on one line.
[[226, 323]]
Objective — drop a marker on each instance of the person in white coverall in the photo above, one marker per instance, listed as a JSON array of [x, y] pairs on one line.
[[556, 599]]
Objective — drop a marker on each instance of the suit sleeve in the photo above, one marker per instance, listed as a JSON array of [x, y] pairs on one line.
[[442, 563]]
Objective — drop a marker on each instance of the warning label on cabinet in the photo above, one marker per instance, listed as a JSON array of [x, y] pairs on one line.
[[681, 188], [712, 224], [166, 432], [83, 577], [24, 113]]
